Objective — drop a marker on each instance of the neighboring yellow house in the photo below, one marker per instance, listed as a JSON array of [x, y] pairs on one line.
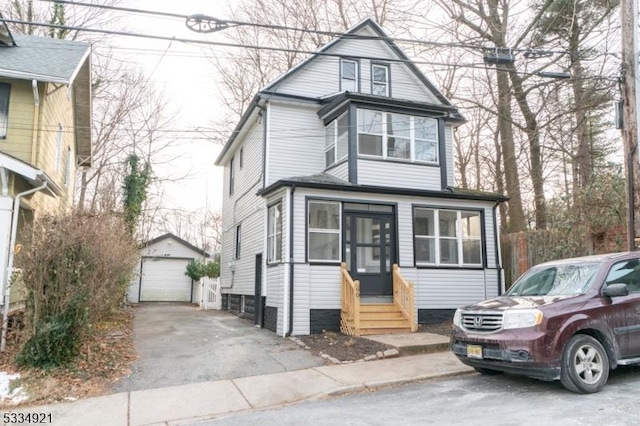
[[45, 132]]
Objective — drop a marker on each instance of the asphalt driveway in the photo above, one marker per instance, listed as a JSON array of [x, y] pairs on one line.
[[179, 344]]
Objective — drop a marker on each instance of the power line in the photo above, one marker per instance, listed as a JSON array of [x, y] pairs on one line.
[[333, 34], [256, 47]]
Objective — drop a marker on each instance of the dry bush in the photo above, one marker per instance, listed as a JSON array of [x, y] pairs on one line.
[[76, 270]]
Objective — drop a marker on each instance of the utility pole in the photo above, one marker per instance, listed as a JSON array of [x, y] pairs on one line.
[[628, 15]]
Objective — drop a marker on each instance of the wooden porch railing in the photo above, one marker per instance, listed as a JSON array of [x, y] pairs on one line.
[[350, 316], [404, 296]]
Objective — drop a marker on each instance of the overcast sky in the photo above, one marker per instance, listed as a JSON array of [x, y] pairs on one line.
[[188, 80]]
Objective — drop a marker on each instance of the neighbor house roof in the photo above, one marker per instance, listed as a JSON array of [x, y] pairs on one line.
[[55, 61], [35, 177], [42, 58]]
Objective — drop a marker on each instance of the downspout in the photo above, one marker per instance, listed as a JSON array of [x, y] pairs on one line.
[[6, 285], [291, 268], [496, 234], [36, 121]]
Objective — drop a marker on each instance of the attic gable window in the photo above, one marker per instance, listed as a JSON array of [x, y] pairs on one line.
[[348, 75], [336, 140], [380, 80], [397, 136], [4, 109], [232, 176]]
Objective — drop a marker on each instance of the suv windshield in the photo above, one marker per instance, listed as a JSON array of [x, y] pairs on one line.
[[557, 280]]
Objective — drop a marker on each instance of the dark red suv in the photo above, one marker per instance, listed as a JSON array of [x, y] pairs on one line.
[[572, 320]]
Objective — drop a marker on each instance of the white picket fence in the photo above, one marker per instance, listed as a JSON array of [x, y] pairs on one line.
[[210, 295]]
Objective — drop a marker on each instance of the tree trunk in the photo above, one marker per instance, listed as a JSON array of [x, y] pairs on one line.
[[535, 156], [517, 221]]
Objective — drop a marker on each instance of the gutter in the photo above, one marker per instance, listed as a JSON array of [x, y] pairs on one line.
[[496, 234], [36, 121], [291, 265], [6, 285]]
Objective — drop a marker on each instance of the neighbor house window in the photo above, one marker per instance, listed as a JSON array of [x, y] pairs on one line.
[[349, 75], [241, 157], [397, 136], [237, 240], [58, 147], [274, 233], [67, 167], [336, 140], [4, 109], [232, 176], [447, 237], [323, 231], [380, 80]]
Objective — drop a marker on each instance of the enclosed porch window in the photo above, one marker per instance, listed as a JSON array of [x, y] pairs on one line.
[[446, 237]]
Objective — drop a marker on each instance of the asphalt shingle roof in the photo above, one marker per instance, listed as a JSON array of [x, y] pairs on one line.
[[42, 58]]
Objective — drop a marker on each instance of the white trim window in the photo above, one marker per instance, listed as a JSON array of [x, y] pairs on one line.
[[67, 167], [237, 243], [5, 88], [380, 80], [397, 136], [274, 233], [58, 147], [336, 140], [324, 231], [348, 75], [447, 237]]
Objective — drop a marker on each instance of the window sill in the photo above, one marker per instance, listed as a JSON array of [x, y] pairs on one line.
[[398, 160], [456, 267]]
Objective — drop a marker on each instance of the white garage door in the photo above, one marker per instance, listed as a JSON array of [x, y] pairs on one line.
[[163, 280]]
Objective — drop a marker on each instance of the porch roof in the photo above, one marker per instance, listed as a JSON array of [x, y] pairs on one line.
[[325, 181]]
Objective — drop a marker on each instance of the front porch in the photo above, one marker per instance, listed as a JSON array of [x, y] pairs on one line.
[[362, 316]]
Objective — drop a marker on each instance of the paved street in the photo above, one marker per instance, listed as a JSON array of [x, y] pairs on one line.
[[469, 400], [179, 344]]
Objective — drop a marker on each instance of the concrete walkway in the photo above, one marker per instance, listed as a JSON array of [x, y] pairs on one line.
[[206, 400]]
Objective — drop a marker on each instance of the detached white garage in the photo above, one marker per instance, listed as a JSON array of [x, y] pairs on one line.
[[161, 274]]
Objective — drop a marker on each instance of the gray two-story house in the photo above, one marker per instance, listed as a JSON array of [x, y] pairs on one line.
[[339, 170]]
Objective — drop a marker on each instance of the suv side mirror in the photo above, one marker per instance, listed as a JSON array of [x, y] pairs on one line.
[[616, 290]]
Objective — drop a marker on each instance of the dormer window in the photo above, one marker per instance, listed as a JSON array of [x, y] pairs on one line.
[[348, 75], [380, 80]]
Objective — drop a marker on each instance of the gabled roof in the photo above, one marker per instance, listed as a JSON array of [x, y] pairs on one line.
[[169, 235], [270, 90], [352, 34], [43, 59]]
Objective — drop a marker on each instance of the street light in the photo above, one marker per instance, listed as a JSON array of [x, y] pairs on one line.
[[201, 23]]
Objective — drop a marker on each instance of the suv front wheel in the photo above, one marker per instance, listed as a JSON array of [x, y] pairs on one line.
[[585, 365]]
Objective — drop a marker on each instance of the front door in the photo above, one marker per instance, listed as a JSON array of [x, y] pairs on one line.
[[370, 250]]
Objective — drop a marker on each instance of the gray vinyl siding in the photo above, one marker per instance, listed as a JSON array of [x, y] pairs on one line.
[[448, 146], [321, 76], [275, 292], [446, 289], [296, 141], [246, 209], [302, 299], [398, 175], [340, 171]]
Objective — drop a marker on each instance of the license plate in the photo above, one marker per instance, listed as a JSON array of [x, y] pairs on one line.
[[474, 351]]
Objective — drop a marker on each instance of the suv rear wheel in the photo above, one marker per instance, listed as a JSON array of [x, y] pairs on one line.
[[585, 365]]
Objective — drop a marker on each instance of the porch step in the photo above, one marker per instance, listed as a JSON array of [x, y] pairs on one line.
[[378, 307], [382, 318]]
